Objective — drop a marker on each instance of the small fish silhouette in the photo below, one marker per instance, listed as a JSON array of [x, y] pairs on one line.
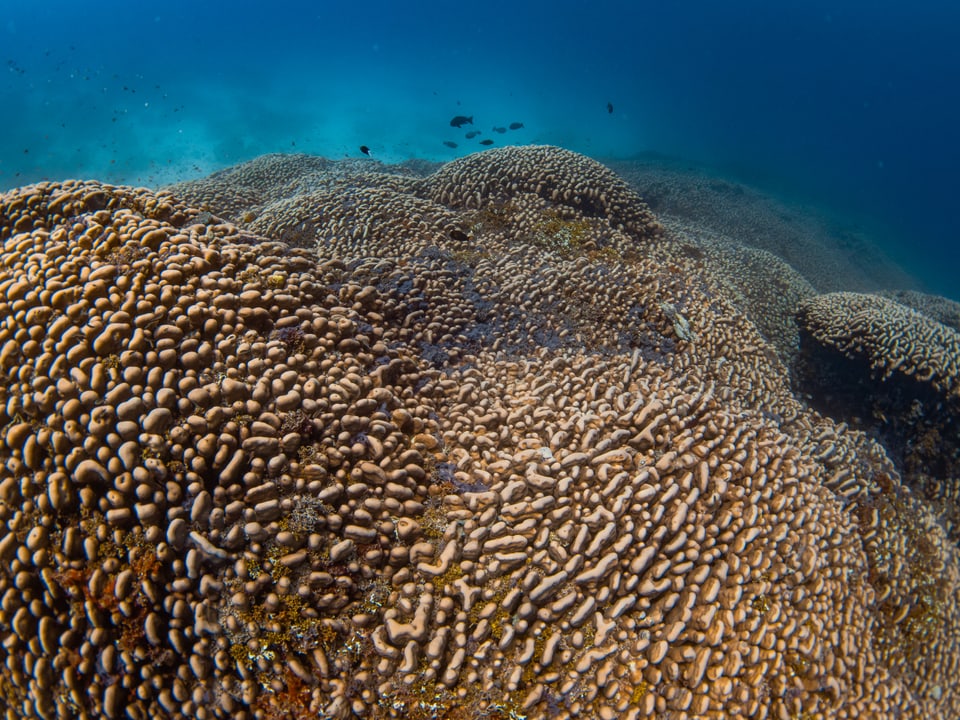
[[459, 235], [365, 150], [461, 120], [472, 134], [499, 130], [488, 141], [516, 126], [609, 107], [449, 143]]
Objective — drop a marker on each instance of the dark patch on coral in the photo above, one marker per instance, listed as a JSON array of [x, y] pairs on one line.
[[431, 252], [435, 355], [462, 486], [96, 201], [692, 251], [444, 472], [302, 235], [918, 429], [291, 337], [547, 338], [654, 346]]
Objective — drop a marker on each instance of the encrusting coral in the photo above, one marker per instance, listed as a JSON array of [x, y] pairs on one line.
[[455, 460], [893, 370]]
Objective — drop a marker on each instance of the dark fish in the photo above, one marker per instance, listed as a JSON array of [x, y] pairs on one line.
[[609, 107], [488, 141], [449, 143], [365, 150], [516, 126], [459, 235], [461, 120], [499, 130], [472, 134]]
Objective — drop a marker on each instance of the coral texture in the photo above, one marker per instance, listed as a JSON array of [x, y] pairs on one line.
[[486, 442], [896, 371]]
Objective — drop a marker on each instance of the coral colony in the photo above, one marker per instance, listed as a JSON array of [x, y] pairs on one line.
[[492, 441]]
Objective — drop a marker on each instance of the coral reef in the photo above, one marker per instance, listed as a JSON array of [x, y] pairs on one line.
[[313, 439], [933, 306], [832, 255], [893, 370], [894, 343]]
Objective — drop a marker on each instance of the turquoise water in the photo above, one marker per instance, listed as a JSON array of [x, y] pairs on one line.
[[852, 106]]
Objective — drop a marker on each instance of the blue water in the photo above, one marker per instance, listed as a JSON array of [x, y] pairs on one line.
[[854, 106]]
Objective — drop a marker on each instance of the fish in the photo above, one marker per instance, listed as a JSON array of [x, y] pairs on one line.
[[516, 126], [499, 130], [459, 235], [449, 143], [461, 120], [365, 150], [472, 134], [488, 141], [609, 107]]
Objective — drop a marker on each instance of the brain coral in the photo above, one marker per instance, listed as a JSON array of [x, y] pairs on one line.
[[896, 369], [892, 340], [487, 449], [552, 173], [933, 306]]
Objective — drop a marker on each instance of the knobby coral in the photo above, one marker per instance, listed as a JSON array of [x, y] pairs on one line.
[[401, 477]]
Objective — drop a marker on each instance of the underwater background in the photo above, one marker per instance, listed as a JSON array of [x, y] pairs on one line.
[[497, 361], [851, 107]]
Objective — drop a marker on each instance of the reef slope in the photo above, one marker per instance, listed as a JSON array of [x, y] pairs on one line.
[[308, 439]]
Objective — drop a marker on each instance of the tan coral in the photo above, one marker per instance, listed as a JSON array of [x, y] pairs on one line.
[[190, 409], [891, 339], [938, 308], [897, 370], [427, 476], [551, 173]]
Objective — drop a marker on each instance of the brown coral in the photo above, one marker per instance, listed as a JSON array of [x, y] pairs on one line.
[[551, 173], [890, 339], [938, 308], [534, 467], [884, 365]]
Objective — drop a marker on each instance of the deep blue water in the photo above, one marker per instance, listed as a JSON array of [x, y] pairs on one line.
[[851, 105]]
